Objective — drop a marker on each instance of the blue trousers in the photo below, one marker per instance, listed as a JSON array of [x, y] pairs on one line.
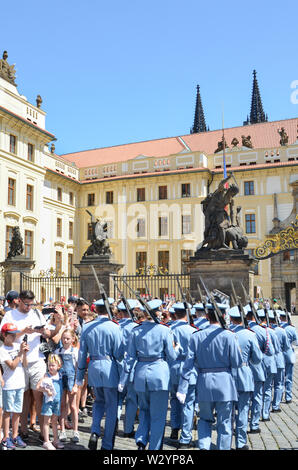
[[289, 381], [153, 407], [256, 405], [182, 415], [267, 396], [131, 407], [242, 418], [224, 411], [278, 388], [106, 401]]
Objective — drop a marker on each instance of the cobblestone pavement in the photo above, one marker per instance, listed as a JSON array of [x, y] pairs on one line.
[[280, 433]]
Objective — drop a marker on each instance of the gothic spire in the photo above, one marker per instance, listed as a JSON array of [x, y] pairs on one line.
[[199, 124], [256, 110]]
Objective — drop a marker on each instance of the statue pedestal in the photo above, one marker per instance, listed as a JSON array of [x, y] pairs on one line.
[[104, 266], [218, 268], [13, 267]]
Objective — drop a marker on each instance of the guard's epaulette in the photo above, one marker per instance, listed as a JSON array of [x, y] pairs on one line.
[[115, 321]]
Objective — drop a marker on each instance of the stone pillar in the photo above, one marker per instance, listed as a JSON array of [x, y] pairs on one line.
[[218, 268], [13, 267], [104, 266]]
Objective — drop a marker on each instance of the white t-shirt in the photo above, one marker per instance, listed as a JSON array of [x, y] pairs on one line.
[[21, 320], [13, 379]]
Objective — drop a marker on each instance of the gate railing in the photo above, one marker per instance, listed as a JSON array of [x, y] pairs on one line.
[[51, 287], [163, 286]]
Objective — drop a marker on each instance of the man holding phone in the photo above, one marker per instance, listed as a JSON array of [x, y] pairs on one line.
[[30, 322]]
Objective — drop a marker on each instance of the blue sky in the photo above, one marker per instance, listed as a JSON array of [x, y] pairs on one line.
[[113, 72]]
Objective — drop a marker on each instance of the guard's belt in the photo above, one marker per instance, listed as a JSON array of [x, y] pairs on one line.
[[149, 359], [215, 369], [99, 357]]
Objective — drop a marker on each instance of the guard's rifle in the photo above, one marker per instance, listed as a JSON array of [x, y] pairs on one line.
[[191, 298], [125, 301], [238, 302], [103, 294], [202, 299], [266, 311], [218, 314], [275, 315], [251, 304], [184, 301], [288, 315], [143, 302], [147, 290]]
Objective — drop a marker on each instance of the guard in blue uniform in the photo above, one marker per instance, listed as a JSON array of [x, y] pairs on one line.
[[260, 371], [150, 347], [101, 340], [128, 393], [279, 378], [270, 372], [213, 352], [182, 415], [200, 321], [243, 376], [289, 356]]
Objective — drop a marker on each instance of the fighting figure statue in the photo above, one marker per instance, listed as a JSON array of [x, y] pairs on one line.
[[220, 227], [99, 244], [16, 246]]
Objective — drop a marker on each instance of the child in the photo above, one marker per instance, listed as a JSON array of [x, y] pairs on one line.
[[13, 358], [51, 386], [69, 355]]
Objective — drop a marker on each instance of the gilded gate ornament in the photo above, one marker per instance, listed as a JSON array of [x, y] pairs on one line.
[[284, 240]]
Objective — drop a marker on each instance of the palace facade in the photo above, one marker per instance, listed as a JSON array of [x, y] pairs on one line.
[[150, 193]]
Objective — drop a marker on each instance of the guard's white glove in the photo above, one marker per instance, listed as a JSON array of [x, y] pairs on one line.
[[181, 397], [120, 388]]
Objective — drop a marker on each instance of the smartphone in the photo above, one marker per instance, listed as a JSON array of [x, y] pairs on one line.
[[38, 327], [47, 310], [25, 339]]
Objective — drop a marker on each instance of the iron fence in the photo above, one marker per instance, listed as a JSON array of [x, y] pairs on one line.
[[163, 286], [51, 287]]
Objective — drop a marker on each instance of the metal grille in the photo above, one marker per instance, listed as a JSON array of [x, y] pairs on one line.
[[51, 288], [162, 286]]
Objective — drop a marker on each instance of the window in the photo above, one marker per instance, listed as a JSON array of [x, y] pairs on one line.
[[71, 198], [58, 262], [29, 198], [9, 231], [89, 231], [289, 255], [59, 227], [140, 194], [185, 190], [70, 230], [11, 192], [162, 192], [91, 199], [250, 223], [70, 264], [185, 256], [59, 194], [109, 197], [186, 224], [163, 260], [249, 188], [162, 226], [12, 143], [30, 154], [141, 260], [28, 245], [141, 228]]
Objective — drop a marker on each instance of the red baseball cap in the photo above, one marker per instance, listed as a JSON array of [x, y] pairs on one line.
[[9, 328]]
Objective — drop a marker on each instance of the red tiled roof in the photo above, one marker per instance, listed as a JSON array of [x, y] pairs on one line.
[[263, 135]]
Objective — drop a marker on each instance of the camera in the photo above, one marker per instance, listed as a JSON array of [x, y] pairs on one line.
[[25, 339], [47, 310]]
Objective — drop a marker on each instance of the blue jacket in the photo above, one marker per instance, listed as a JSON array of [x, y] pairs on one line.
[[266, 346], [182, 332], [150, 347], [213, 352], [285, 348], [251, 354], [291, 332], [101, 341]]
